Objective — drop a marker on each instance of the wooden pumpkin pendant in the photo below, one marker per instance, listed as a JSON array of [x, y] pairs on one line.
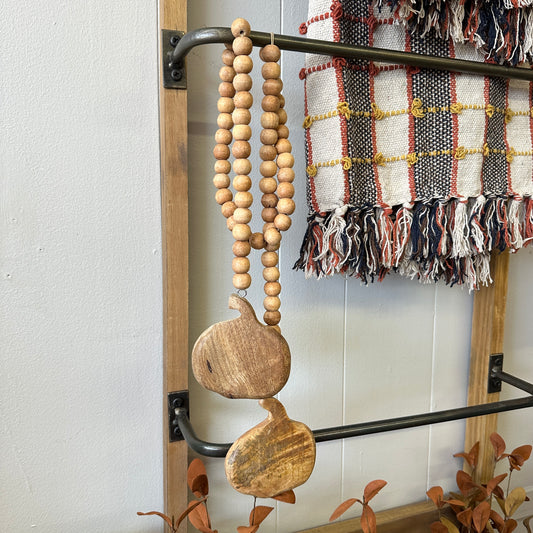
[[241, 358], [275, 456]]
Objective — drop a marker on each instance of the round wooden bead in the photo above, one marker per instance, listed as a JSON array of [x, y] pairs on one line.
[[269, 121], [241, 232], [268, 169], [270, 52], [268, 152], [226, 73], [285, 190], [242, 45], [241, 248], [256, 241], [241, 149], [271, 274], [240, 265], [285, 160], [272, 236], [286, 175], [268, 214], [267, 185], [272, 288], [242, 281], [230, 223], [283, 146], [243, 99], [267, 226], [242, 182], [227, 209], [269, 136], [223, 195], [227, 57], [239, 27], [281, 100], [269, 259], [271, 303], [272, 247], [286, 206], [225, 121], [283, 131], [272, 318], [241, 116], [273, 86], [270, 103], [269, 70], [222, 167], [221, 151], [269, 200], [242, 82], [243, 64], [225, 105], [282, 114], [243, 199], [242, 166], [282, 222], [242, 132], [223, 136], [242, 215], [225, 88], [221, 181]]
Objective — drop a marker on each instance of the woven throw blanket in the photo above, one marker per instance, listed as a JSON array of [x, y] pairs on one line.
[[422, 172]]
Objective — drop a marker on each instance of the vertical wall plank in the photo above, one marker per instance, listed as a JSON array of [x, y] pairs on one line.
[[488, 323], [173, 132]]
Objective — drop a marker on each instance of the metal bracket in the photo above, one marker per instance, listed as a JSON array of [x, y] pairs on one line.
[[174, 75], [175, 401], [495, 365]]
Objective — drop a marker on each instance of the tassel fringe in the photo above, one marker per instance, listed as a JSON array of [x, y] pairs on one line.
[[450, 240]]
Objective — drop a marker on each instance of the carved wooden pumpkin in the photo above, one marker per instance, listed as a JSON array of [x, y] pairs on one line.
[[275, 456], [241, 358]]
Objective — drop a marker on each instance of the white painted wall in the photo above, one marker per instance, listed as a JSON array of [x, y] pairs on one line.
[[359, 353], [80, 267]]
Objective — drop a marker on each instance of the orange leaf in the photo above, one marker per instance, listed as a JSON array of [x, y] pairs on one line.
[[497, 520], [450, 526], [470, 457], [498, 444], [372, 489], [510, 525], [368, 520], [494, 482], [342, 508], [519, 456], [287, 497], [480, 516], [438, 527], [455, 503], [259, 513], [247, 529], [192, 505], [465, 517], [436, 494], [464, 482], [163, 516], [198, 517], [197, 478]]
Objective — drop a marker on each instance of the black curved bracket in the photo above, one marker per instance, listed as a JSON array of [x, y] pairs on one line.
[[173, 57]]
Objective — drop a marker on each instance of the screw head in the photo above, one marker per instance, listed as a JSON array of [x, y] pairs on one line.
[[176, 74], [177, 402], [174, 40]]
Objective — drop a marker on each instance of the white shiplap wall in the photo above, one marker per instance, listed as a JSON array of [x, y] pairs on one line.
[[358, 353]]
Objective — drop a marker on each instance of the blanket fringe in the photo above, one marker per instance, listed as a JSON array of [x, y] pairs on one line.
[[440, 239]]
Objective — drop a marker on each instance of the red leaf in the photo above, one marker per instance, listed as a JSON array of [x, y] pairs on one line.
[[464, 482], [342, 508], [259, 513], [197, 478], [287, 497], [438, 527], [465, 517], [494, 482], [498, 444], [480, 516], [163, 516], [372, 489], [192, 505], [199, 517], [368, 520], [510, 525], [436, 494]]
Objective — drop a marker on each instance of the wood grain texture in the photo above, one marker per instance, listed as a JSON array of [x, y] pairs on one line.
[[173, 139], [241, 358], [275, 456], [414, 518], [487, 338]]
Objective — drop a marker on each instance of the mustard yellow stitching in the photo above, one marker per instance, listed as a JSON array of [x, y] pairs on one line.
[[490, 109], [510, 155], [416, 108], [346, 163], [344, 109], [379, 159], [412, 159], [311, 170], [456, 108], [379, 114], [460, 152]]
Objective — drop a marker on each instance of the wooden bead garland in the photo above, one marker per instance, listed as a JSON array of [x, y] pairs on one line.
[[276, 165]]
